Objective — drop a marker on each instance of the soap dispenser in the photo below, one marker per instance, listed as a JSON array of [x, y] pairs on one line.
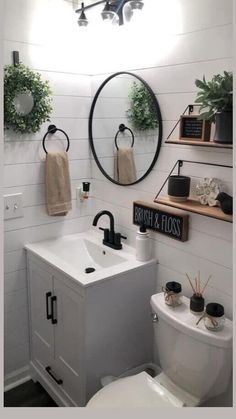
[[143, 245]]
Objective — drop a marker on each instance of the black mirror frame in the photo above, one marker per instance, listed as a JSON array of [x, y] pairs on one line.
[[91, 131]]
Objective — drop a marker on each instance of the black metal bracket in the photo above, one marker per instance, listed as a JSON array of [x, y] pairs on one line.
[[52, 129], [16, 58], [180, 164]]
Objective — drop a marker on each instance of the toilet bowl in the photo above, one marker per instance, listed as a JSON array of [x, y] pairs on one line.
[[196, 364]]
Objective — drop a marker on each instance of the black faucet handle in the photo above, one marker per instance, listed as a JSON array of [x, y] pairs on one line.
[[117, 240], [106, 233]]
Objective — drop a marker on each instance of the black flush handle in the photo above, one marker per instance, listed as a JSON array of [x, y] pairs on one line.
[[48, 315], [53, 305], [58, 380]]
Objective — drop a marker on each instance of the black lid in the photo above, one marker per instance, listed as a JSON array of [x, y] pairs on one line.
[[174, 286], [86, 186], [215, 310], [142, 229]]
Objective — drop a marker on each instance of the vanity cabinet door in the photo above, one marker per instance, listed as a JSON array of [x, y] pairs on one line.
[[69, 340], [42, 337]]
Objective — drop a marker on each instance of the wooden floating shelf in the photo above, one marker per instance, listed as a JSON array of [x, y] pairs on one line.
[[192, 205], [200, 143]]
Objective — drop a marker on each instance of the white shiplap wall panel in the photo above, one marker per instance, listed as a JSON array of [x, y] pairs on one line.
[[24, 155], [202, 45]]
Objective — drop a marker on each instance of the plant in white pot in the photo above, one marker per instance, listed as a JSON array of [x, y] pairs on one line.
[[216, 99]]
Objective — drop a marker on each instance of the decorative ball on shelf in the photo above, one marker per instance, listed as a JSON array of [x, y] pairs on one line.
[[27, 99], [207, 191]]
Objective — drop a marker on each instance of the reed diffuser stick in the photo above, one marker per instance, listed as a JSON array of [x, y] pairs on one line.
[[206, 283], [190, 282], [196, 285]]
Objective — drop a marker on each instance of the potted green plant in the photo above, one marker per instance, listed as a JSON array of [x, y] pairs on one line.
[[216, 99]]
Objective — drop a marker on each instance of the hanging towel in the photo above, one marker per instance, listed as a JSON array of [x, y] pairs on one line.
[[124, 166], [58, 189]]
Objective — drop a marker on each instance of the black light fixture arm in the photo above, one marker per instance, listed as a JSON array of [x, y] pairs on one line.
[[90, 6], [114, 5], [118, 3]]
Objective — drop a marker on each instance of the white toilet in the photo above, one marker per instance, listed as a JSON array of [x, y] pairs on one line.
[[196, 363]]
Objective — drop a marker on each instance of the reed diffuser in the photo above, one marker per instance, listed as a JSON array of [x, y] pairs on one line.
[[197, 301]]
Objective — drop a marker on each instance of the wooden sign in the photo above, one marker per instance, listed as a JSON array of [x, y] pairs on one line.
[[192, 128], [170, 222]]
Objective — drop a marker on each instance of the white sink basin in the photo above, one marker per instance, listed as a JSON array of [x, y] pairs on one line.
[[74, 253], [100, 256]]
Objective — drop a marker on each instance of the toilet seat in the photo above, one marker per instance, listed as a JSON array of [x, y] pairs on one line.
[[139, 390]]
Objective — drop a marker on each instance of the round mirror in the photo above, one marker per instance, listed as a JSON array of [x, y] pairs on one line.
[[23, 103], [125, 128]]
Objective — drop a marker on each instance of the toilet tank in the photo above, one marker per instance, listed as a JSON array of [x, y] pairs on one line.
[[194, 358]]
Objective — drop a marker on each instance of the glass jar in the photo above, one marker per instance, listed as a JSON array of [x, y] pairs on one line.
[[214, 318], [172, 293]]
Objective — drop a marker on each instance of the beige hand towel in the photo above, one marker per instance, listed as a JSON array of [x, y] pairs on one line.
[[124, 166], [58, 189]]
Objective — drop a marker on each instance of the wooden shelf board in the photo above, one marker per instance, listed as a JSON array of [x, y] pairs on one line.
[[200, 143], [192, 205]]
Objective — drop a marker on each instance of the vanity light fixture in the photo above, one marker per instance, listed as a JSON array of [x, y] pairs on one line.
[[115, 11], [109, 13], [82, 21]]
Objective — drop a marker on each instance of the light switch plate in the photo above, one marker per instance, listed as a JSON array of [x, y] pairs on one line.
[[13, 207]]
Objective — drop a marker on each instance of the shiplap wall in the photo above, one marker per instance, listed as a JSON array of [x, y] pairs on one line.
[[1, 197], [201, 45], [169, 57], [35, 32]]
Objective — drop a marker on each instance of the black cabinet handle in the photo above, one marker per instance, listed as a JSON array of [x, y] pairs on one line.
[[48, 295], [58, 380], [53, 300]]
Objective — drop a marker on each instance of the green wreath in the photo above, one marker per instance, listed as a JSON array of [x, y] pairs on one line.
[[142, 113], [20, 79]]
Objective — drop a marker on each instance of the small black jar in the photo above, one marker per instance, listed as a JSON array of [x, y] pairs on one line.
[[178, 188], [197, 304]]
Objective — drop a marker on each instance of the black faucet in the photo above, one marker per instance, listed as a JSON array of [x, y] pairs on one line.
[[111, 238]]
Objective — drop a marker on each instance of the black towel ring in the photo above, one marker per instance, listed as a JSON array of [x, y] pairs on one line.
[[122, 128], [52, 129]]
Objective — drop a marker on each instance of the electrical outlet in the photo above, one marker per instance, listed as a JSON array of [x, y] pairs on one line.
[[13, 207]]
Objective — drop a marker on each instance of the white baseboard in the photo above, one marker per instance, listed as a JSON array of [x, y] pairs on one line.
[[16, 378]]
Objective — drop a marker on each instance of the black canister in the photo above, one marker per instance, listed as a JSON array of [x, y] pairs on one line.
[[197, 304], [179, 187]]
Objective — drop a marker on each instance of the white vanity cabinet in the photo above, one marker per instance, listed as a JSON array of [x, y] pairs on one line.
[[56, 313], [80, 333]]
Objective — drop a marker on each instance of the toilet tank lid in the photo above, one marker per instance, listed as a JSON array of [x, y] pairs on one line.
[[181, 318]]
